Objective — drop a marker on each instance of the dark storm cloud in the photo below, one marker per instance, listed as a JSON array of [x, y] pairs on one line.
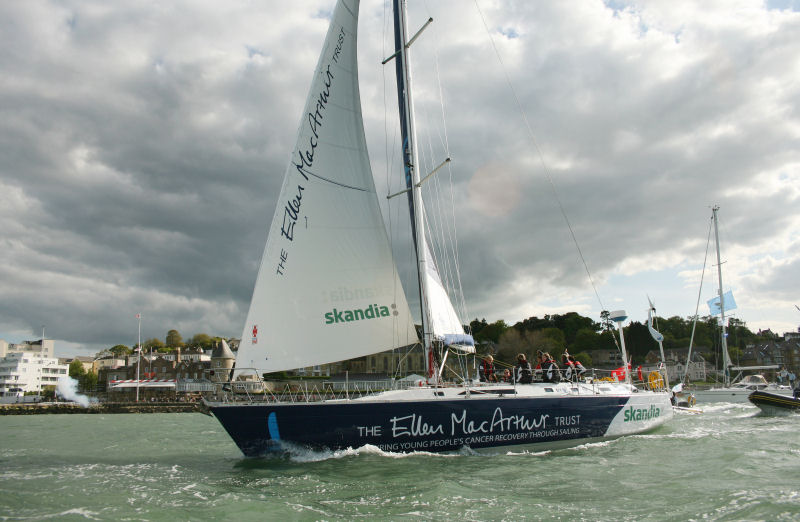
[[142, 147]]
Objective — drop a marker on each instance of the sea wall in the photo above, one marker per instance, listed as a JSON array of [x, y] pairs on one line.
[[103, 407]]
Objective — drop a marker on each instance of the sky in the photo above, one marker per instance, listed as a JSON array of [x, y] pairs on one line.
[[143, 145]]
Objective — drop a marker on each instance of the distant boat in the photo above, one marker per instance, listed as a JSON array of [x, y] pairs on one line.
[[741, 390], [775, 404], [328, 290]]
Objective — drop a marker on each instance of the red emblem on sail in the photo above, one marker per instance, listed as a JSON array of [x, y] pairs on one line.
[[255, 334]]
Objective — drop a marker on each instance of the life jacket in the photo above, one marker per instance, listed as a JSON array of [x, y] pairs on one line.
[[524, 373], [569, 369], [487, 370], [551, 373]]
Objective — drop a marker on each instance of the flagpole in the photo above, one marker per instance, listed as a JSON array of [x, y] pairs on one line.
[[139, 358]]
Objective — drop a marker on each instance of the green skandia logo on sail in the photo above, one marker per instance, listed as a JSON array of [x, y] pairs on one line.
[[373, 311]]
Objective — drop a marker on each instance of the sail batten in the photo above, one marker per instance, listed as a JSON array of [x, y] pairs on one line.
[[327, 288]]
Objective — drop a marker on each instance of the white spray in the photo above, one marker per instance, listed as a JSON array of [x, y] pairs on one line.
[[67, 388]]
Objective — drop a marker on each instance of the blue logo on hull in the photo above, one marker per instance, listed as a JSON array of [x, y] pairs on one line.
[[272, 426]]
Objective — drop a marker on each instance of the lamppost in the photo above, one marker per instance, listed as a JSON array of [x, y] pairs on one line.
[[139, 358]]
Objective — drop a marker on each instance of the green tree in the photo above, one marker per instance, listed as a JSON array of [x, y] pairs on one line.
[[584, 358], [571, 323], [638, 341], [550, 340], [76, 369], [492, 332], [88, 382], [48, 393], [476, 326], [513, 342], [606, 324], [534, 323], [120, 350], [153, 343], [202, 340], [174, 339], [585, 340]]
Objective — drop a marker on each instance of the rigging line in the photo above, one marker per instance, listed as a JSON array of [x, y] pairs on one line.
[[697, 306], [541, 155], [452, 231], [436, 226]]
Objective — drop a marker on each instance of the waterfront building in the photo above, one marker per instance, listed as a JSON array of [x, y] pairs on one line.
[[161, 376], [28, 372], [222, 360], [604, 358], [108, 363], [43, 347], [676, 363]]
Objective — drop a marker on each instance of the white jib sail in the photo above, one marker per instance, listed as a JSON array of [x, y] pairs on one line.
[[327, 288], [444, 322]]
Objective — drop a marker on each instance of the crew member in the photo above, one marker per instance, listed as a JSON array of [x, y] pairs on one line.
[[550, 369], [487, 369], [577, 367], [569, 371], [524, 375]]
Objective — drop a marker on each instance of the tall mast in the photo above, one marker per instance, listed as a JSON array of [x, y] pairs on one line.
[[411, 161], [726, 360]]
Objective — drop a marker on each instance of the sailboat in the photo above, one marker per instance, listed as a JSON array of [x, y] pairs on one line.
[[740, 390], [328, 290]]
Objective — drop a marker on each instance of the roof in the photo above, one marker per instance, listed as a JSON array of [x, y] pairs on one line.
[[222, 351]]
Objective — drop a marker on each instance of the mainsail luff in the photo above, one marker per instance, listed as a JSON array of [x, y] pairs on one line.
[[327, 288], [410, 163]]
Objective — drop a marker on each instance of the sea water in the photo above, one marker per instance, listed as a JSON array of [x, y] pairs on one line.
[[728, 463]]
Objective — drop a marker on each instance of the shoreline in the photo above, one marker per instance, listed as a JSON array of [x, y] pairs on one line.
[[102, 407]]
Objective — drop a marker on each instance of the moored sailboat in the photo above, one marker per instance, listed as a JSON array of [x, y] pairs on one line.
[[328, 290], [740, 390]]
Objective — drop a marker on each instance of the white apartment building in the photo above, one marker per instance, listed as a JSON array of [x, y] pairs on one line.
[[22, 372], [43, 347]]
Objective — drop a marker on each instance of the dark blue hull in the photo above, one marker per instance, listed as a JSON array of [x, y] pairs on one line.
[[428, 425], [775, 403]]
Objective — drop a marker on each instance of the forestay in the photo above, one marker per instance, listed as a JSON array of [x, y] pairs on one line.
[[327, 288]]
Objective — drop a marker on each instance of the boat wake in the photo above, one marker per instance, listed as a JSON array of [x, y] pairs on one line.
[[301, 454], [728, 407]]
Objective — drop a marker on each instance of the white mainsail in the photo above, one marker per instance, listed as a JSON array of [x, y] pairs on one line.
[[327, 288]]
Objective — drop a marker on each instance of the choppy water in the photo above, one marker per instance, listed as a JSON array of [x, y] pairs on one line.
[[729, 463]]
